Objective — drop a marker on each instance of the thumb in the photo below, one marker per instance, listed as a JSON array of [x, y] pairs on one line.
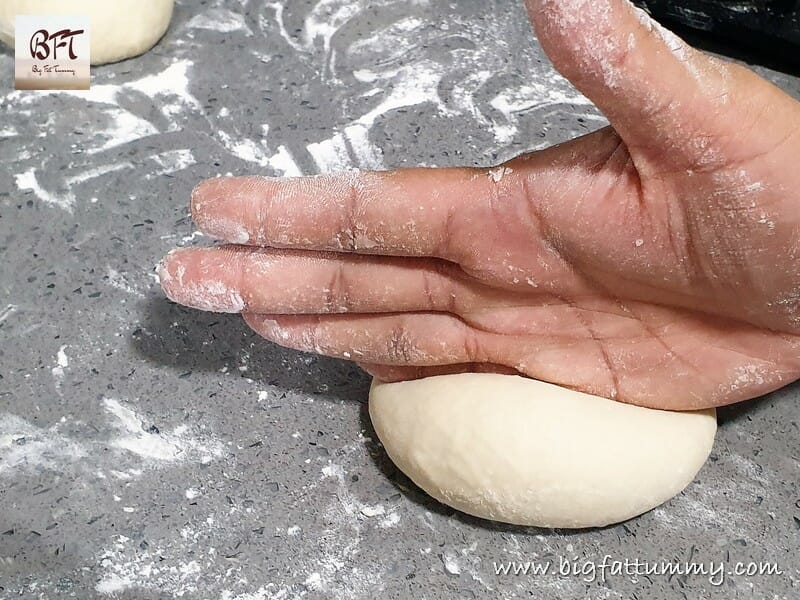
[[655, 89]]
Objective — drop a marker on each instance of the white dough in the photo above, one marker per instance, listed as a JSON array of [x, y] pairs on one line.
[[522, 451], [118, 29]]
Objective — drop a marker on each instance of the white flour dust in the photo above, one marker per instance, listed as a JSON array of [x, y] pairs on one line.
[[152, 444], [62, 362], [25, 446], [120, 282], [172, 161], [126, 566], [29, 181], [9, 310], [119, 124], [380, 61], [220, 20]]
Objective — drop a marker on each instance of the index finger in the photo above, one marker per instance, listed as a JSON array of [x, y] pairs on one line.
[[411, 212]]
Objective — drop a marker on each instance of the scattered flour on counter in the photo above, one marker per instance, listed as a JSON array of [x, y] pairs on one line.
[[381, 61], [450, 562], [120, 282], [314, 581], [171, 82], [153, 445], [172, 161], [373, 511], [188, 239], [124, 127], [331, 155], [220, 20], [268, 592], [127, 566], [326, 18], [28, 181], [345, 516], [391, 520], [24, 446], [9, 310], [95, 172], [283, 162], [170, 87], [246, 149], [62, 362], [722, 505]]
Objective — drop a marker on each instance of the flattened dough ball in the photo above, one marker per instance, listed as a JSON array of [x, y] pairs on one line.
[[521, 451], [118, 29]]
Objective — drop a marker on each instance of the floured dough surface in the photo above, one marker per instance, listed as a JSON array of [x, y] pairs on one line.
[[118, 29], [526, 452]]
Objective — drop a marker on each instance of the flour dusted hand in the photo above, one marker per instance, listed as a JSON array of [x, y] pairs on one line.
[[653, 262]]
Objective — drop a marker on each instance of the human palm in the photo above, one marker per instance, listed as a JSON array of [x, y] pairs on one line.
[[652, 262]]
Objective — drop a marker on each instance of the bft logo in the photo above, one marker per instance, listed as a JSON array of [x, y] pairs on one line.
[[52, 52], [45, 45]]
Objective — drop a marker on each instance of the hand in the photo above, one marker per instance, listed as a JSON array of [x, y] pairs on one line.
[[654, 261]]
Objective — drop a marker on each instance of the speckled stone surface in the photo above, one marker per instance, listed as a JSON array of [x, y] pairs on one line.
[[150, 451]]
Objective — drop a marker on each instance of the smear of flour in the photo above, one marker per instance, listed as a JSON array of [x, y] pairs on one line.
[[331, 155], [283, 162], [172, 161], [95, 172], [383, 64], [450, 562], [124, 127], [219, 20], [171, 82], [29, 181], [153, 445], [62, 362], [246, 149], [170, 87], [25, 446], [7, 312], [722, 504], [120, 282], [346, 514]]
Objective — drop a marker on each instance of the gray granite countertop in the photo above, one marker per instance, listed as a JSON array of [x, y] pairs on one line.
[[150, 451]]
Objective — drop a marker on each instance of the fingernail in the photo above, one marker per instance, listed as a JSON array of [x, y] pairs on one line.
[[274, 330], [202, 294], [222, 228], [165, 276], [208, 295]]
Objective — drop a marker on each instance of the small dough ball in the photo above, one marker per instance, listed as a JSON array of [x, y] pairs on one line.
[[522, 451], [118, 29]]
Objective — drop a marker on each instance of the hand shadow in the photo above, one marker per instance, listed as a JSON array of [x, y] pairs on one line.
[[189, 340]]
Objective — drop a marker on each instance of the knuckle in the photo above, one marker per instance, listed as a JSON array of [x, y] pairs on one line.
[[336, 296], [401, 348]]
